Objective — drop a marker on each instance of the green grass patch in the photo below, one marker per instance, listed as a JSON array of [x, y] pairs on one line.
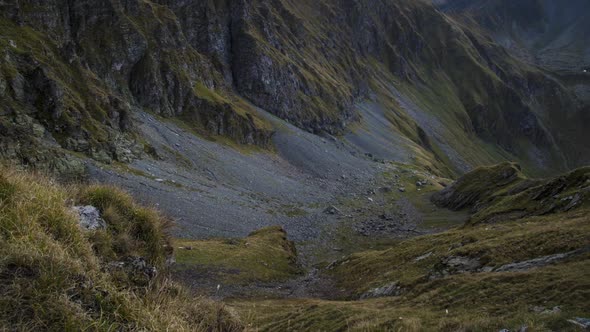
[[265, 255]]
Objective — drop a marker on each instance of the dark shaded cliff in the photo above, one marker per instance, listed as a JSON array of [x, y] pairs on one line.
[[73, 73]]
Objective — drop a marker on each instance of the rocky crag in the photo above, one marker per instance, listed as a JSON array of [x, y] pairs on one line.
[[74, 75]]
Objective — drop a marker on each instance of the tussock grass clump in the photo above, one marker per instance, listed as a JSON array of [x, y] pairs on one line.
[[132, 230], [56, 276]]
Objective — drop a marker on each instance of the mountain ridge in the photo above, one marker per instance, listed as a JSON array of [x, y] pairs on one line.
[[310, 63], [334, 165]]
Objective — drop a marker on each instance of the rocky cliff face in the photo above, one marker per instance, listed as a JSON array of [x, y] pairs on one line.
[[550, 35], [548, 32], [73, 73]]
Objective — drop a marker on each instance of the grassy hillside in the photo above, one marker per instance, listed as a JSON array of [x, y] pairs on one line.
[[502, 192], [57, 276], [549, 35], [264, 256], [526, 269]]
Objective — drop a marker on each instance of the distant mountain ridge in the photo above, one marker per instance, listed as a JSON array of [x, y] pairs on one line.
[[551, 33]]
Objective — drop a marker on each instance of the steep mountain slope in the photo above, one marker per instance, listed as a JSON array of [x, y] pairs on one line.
[[305, 151], [66, 84], [550, 33]]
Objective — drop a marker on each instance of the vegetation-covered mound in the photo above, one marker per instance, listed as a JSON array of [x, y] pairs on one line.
[[502, 192], [265, 255], [57, 275]]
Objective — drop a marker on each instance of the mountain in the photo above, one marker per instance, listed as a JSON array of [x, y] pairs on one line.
[[278, 165], [545, 32], [68, 86]]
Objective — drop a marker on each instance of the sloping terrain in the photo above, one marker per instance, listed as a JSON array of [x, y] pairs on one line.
[[522, 270], [59, 273], [171, 109], [547, 32], [67, 86], [502, 192], [304, 153], [526, 270]]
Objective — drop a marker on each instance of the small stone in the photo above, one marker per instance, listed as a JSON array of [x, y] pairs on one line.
[[385, 189], [79, 145], [332, 210], [159, 180], [90, 217], [553, 311], [391, 289], [101, 156], [170, 260], [38, 130], [487, 269]]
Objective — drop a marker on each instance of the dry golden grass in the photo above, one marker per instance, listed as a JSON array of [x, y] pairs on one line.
[[53, 275]]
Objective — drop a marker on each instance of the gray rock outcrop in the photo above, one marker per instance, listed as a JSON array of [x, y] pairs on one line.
[[89, 217], [391, 289]]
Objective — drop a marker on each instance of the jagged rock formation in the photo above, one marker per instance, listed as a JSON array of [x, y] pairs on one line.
[[74, 73]]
